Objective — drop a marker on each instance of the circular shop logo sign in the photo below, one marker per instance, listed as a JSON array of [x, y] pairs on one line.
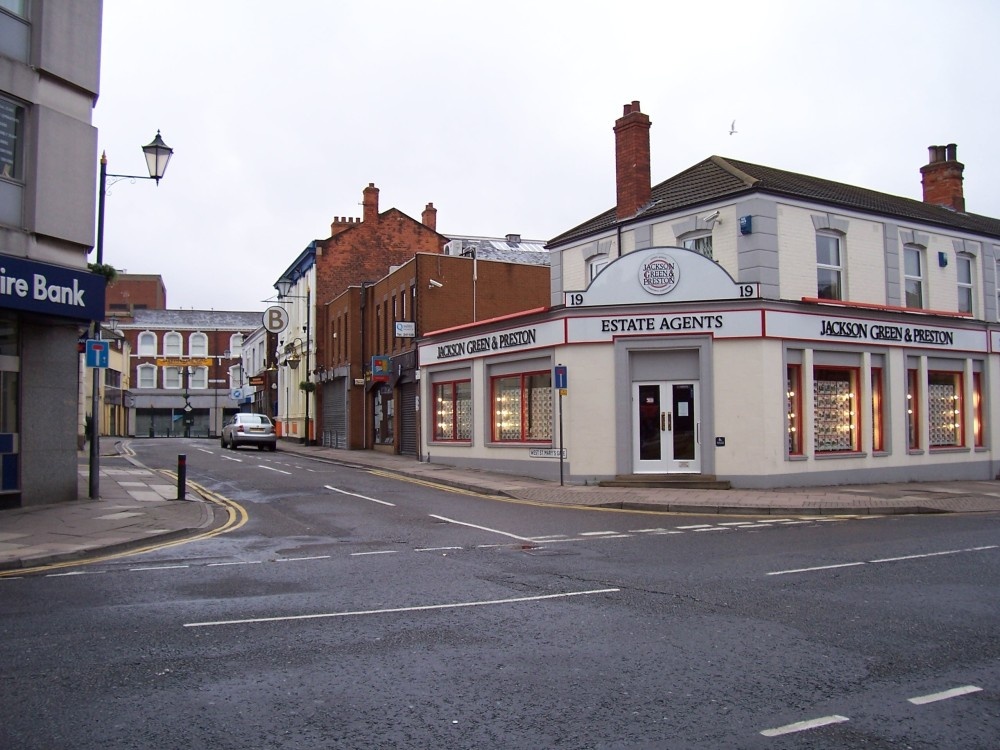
[[659, 274]]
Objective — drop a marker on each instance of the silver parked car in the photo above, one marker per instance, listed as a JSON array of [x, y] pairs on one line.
[[249, 429]]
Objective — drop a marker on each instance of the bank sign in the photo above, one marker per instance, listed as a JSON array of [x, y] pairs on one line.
[[50, 290]]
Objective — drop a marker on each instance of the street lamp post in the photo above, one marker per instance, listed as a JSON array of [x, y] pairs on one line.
[[158, 156], [283, 285]]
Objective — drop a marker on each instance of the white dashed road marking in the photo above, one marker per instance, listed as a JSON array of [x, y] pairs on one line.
[[801, 726], [363, 497], [944, 695]]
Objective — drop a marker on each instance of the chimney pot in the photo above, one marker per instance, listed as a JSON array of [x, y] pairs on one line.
[[429, 217], [369, 203]]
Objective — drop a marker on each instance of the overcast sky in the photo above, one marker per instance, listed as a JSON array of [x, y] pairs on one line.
[[501, 114]]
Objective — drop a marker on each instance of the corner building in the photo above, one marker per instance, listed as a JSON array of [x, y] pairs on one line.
[[741, 323]]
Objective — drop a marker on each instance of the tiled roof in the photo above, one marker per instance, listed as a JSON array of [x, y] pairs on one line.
[[202, 320], [718, 178]]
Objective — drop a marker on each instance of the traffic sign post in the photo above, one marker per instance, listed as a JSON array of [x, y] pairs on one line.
[[97, 353], [561, 377]]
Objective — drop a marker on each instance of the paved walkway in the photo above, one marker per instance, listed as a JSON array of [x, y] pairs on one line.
[[137, 506]]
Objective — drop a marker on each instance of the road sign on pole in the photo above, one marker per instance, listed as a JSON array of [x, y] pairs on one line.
[[97, 353], [275, 319]]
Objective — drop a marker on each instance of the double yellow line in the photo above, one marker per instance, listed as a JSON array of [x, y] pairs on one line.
[[236, 516]]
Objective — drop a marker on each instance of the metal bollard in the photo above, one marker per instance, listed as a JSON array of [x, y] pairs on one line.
[[181, 475]]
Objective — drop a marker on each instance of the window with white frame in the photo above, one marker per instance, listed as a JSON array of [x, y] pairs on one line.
[[236, 345], [146, 375], [235, 376], [198, 345], [966, 300], [198, 379], [700, 243], [597, 265], [172, 377], [829, 266], [147, 344], [913, 275], [172, 344]]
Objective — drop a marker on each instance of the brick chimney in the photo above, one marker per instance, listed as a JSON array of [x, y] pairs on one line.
[[370, 204], [942, 178], [429, 217], [632, 161], [340, 223]]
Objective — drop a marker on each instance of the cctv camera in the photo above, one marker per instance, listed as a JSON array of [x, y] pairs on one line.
[[714, 216], [434, 283]]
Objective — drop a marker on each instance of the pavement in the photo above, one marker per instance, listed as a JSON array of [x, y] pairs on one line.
[[138, 507]]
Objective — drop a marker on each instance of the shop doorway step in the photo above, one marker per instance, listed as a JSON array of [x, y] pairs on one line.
[[672, 481]]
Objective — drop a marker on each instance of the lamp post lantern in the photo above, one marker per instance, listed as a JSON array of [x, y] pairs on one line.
[[158, 156]]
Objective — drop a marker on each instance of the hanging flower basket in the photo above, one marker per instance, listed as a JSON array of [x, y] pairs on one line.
[[306, 386]]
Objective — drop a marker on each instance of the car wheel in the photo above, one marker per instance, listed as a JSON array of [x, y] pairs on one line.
[[222, 442], [273, 447]]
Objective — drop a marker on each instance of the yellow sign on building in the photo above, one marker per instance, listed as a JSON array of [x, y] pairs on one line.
[[184, 362]]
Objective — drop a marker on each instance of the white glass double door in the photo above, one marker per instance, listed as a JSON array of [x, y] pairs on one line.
[[666, 427]]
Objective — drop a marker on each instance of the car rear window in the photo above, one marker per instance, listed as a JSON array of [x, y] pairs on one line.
[[255, 419]]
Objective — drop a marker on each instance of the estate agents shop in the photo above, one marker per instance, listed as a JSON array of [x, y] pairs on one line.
[[673, 367]]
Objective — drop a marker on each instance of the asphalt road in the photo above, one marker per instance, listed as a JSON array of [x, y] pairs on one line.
[[358, 611]]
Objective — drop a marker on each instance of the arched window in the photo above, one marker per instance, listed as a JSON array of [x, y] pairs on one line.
[[236, 345], [198, 378], [172, 344], [198, 345], [235, 376], [147, 344], [146, 375]]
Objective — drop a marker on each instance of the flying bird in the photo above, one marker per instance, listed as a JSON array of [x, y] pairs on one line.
[[732, 128]]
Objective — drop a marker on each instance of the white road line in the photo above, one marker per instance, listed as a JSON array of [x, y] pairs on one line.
[[280, 471], [433, 549], [810, 570], [944, 695], [801, 726], [205, 450], [696, 526], [933, 554], [789, 523], [483, 528], [74, 573], [355, 494], [550, 536], [238, 562], [596, 533], [646, 531], [738, 523], [230, 458], [396, 610], [160, 567], [713, 528], [300, 559], [379, 552]]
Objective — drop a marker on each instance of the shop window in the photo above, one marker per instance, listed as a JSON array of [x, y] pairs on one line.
[[913, 275], [835, 418], [793, 396], [198, 345], [944, 409], [963, 267], [913, 409], [701, 243], [453, 410], [878, 411], [172, 343], [147, 344], [977, 409], [146, 375], [522, 407], [829, 266], [384, 413]]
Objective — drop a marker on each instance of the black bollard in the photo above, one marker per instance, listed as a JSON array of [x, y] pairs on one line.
[[181, 475]]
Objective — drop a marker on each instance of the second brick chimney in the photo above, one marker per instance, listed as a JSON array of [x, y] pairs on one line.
[[370, 204], [632, 161], [942, 178], [429, 217]]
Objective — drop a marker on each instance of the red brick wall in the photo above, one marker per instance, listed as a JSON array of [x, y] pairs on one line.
[[131, 291]]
